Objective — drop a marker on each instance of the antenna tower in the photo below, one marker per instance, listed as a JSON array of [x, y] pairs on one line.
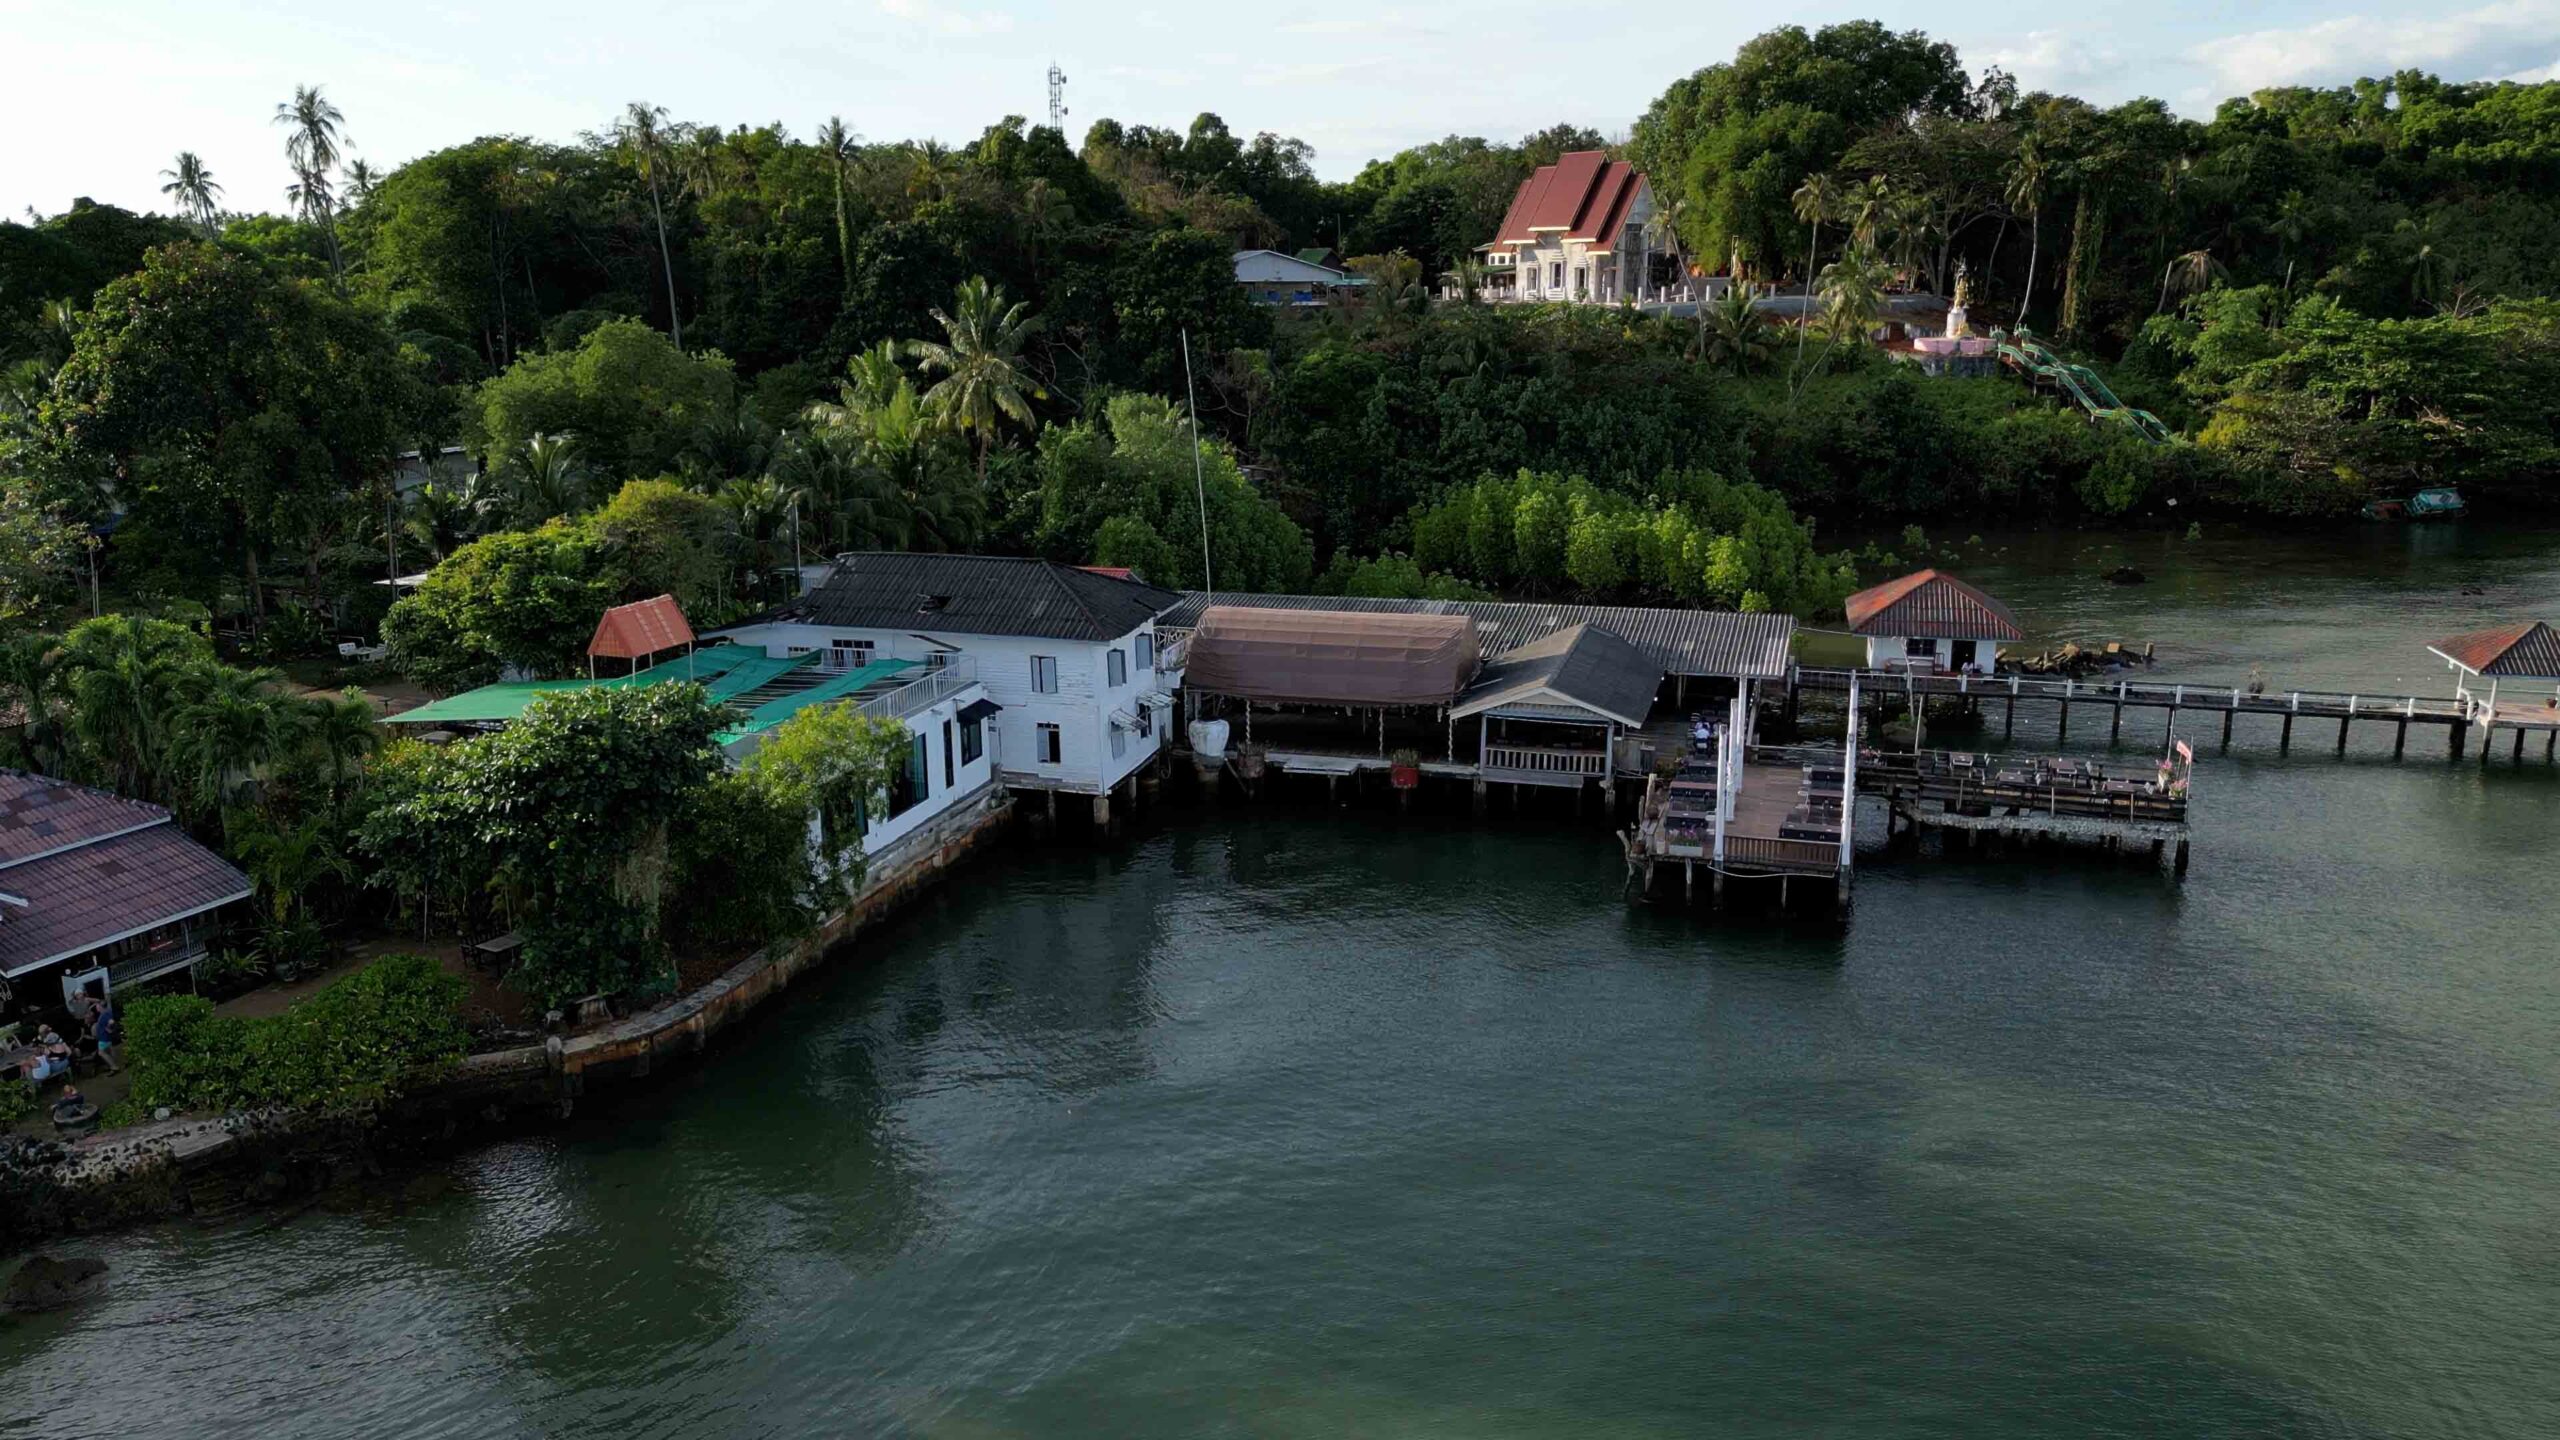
[[1057, 97]]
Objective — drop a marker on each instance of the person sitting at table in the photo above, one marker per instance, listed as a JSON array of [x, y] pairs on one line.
[[53, 1045]]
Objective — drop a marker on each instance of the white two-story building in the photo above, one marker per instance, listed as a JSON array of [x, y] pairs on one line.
[[1581, 230], [1078, 684]]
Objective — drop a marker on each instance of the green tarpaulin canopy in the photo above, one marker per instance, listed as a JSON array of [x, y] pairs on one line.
[[720, 668], [773, 712]]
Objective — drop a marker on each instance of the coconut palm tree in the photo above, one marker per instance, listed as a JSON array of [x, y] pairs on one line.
[[1045, 212], [2291, 225], [1867, 205], [190, 182], [838, 143], [287, 863], [703, 159], [2195, 270], [983, 381], [1816, 200], [1852, 295], [342, 727], [546, 476], [642, 134], [362, 181], [312, 146], [2030, 176]]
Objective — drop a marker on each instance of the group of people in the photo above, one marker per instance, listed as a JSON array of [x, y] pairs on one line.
[[54, 1055]]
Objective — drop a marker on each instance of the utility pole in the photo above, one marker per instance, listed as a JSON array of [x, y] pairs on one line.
[[1199, 486]]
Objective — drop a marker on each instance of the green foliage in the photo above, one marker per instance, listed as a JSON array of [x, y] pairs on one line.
[[1125, 492], [632, 399], [354, 1043], [567, 816], [19, 1101], [244, 411], [1393, 577], [753, 868], [527, 598], [1697, 539]]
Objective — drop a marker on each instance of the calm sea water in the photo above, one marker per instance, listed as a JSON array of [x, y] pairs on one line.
[[1295, 1123]]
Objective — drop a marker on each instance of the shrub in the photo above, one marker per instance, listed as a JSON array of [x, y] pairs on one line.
[[352, 1044]]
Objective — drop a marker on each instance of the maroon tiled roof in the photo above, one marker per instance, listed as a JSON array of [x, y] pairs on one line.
[[1584, 196], [2528, 648], [1931, 605], [39, 814], [82, 898]]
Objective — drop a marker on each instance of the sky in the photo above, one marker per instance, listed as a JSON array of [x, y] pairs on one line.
[[102, 95]]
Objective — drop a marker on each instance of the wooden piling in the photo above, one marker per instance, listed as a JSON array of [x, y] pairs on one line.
[[2284, 740], [2343, 723], [2519, 755], [2115, 726], [2460, 731], [2009, 722], [2400, 741], [2227, 717], [2062, 730]]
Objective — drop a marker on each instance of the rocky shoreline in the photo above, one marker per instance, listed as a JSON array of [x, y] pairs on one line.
[[190, 1165]]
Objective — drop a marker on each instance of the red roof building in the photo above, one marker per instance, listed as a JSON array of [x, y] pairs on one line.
[[2527, 650], [639, 630], [1933, 619], [1576, 231]]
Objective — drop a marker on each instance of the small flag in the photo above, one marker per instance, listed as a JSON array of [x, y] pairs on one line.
[[2186, 752]]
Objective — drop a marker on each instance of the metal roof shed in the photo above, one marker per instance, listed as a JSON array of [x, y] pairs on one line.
[[1583, 668], [1330, 657]]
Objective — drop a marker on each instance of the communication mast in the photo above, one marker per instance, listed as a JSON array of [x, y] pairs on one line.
[[1057, 97]]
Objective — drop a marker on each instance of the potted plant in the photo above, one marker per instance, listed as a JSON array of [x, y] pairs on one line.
[[1404, 768]]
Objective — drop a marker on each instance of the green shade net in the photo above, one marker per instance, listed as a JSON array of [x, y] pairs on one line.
[[773, 712], [721, 668]]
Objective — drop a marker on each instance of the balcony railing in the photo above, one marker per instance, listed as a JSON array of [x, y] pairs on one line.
[[937, 685], [1547, 761]]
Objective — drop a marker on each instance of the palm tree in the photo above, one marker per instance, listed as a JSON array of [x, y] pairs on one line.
[[287, 863], [123, 678], [2029, 177], [2196, 270], [1852, 295], [837, 142], [2428, 262], [345, 731], [1867, 206], [546, 476], [442, 514], [29, 670], [191, 184], [311, 147], [1816, 200], [983, 383], [642, 134], [2292, 223], [703, 160], [228, 731], [1733, 333], [362, 181], [1045, 212]]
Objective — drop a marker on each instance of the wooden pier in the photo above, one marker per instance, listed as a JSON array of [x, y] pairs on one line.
[[2044, 798], [2458, 717]]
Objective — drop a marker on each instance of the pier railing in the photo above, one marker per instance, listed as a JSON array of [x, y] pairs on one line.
[[1804, 856], [1552, 762], [2330, 704]]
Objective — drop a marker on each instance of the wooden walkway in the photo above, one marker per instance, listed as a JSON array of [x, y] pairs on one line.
[[2230, 702]]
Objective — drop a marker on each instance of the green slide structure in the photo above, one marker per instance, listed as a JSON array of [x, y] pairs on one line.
[[2023, 353]]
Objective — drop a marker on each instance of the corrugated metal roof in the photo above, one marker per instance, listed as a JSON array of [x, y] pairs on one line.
[[1584, 664], [39, 815], [1931, 605], [641, 629], [94, 867], [1683, 642], [976, 595], [2527, 650]]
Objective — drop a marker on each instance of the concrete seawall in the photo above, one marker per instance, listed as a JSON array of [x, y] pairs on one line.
[[179, 1166]]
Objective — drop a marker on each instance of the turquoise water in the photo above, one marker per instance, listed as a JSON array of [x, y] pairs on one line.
[[1281, 1122]]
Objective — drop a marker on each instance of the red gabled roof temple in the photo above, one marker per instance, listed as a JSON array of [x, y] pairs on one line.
[[1584, 196], [640, 629]]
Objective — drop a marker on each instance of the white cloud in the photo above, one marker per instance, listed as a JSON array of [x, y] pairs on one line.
[[2055, 60], [2465, 45], [944, 20]]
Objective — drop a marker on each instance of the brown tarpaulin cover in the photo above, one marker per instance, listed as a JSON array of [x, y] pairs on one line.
[[1330, 657]]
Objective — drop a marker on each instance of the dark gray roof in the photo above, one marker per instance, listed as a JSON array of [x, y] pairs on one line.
[[1583, 664], [976, 595], [1680, 642]]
